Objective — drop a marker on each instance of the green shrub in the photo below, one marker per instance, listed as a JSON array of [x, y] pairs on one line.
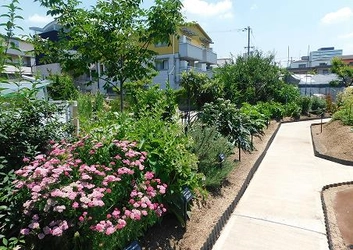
[[26, 127], [305, 103], [62, 88], [292, 110], [10, 209], [271, 109], [212, 151], [317, 104]]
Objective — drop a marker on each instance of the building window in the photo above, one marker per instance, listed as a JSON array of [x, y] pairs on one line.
[[322, 64], [162, 64], [302, 65], [161, 44], [325, 71]]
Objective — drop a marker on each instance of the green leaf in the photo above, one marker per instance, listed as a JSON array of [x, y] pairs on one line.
[[4, 241]]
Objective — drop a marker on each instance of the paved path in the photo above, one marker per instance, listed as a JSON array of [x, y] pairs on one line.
[[281, 208]]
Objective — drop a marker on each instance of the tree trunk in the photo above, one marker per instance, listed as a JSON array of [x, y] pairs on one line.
[[121, 97]]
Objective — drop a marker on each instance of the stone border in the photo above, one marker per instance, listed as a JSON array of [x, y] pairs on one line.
[[213, 236], [324, 156], [324, 208]]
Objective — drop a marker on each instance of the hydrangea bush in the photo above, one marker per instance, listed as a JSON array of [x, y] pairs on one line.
[[89, 194]]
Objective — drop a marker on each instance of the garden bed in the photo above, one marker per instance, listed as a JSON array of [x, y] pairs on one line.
[[205, 214]]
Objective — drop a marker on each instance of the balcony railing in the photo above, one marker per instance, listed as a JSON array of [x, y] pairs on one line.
[[191, 52]]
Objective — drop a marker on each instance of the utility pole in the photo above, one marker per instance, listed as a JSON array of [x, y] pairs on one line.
[[248, 47], [248, 41]]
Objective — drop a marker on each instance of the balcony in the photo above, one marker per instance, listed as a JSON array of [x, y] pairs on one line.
[[194, 53], [209, 56]]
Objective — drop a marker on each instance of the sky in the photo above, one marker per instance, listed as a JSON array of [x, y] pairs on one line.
[[287, 29]]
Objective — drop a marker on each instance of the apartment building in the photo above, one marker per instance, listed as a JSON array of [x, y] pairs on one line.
[[318, 61], [189, 50], [21, 54]]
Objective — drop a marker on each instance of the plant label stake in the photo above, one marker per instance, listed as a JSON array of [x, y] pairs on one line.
[[187, 197], [133, 246], [221, 158]]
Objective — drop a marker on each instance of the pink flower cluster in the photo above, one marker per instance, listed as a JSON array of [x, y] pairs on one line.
[[76, 184]]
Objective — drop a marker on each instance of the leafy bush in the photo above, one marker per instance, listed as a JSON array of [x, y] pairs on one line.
[[257, 121], [212, 151], [230, 122], [26, 127], [293, 110], [88, 195], [345, 108], [62, 88], [10, 209], [154, 101], [305, 104], [317, 104], [286, 93], [274, 110]]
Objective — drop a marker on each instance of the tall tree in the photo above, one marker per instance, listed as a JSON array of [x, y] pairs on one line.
[[344, 71], [116, 33], [250, 79]]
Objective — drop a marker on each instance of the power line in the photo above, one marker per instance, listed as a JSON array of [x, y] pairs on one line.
[[226, 31]]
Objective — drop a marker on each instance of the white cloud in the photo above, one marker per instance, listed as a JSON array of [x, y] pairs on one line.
[[254, 6], [338, 16], [346, 36], [203, 8], [39, 19], [228, 15]]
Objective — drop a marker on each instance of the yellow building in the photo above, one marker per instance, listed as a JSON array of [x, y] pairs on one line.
[[189, 50]]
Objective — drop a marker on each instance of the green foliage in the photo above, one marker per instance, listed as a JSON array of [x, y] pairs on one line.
[[62, 88], [10, 26], [293, 110], [251, 80], [167, 147], [286, 93], [305, 104], [199, 88], [154, 101], [26, 127], [230, 122], [317, 104], [10, 209], [208, 145], [345, 107], [93, 109], [273, 110], [344, 71], [116, 33]]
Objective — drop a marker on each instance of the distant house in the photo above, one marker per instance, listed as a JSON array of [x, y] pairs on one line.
[[21, 55], [190, 50], [347, 59], [317, 84]]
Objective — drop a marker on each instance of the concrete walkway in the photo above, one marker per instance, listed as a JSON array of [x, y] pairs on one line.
[[281, 208]]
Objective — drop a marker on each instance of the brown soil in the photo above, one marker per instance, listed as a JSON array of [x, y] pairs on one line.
[[335, 140]]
